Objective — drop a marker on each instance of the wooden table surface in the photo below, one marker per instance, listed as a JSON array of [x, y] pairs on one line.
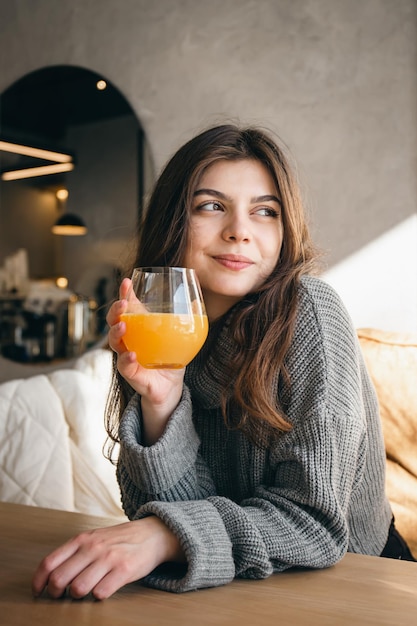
[[358, 590]]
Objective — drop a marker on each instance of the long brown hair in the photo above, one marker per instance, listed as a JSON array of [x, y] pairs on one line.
[[261, 327]]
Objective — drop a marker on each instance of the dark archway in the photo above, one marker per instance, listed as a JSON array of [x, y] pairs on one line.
[[62, 109]]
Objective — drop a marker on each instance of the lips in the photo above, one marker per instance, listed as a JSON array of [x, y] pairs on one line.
[[234, 262]]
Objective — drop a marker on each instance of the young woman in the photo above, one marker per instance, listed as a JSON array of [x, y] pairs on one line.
[[266, 452]]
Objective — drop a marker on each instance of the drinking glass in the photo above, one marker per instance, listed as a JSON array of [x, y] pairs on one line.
[[166, 321]]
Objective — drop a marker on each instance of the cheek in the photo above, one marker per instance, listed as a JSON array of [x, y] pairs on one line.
[[196, 239], [273, 245]]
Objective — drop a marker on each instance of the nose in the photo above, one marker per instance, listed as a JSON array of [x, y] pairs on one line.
[[236, 229]]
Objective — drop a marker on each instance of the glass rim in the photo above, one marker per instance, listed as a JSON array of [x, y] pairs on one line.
[[155, 269]]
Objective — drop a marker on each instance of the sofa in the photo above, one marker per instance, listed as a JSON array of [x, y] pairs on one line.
[[52, 432], [391, 359], [52, 436]]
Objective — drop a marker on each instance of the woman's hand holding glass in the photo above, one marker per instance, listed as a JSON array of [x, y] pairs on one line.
[[157, 327], [160, 389]]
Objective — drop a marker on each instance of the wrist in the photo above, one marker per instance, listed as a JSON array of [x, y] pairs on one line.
[[167, 545], [155, 416]]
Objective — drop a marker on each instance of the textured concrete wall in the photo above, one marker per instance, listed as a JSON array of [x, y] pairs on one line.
[[334, 78]]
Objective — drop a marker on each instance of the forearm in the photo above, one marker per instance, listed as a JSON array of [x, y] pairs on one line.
[[171, 469], [222, 540]]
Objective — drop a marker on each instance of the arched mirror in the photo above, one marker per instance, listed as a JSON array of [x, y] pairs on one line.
[[72, 152]]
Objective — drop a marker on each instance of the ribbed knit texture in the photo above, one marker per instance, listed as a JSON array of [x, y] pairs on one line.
[[240, 510]]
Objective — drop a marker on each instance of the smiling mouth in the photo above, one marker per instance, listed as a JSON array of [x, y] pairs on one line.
[[233, 261]]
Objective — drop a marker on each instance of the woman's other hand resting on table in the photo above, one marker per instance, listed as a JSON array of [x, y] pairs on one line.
[[103, 560]]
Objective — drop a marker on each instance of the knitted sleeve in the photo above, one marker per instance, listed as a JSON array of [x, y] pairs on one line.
[[169, 470]]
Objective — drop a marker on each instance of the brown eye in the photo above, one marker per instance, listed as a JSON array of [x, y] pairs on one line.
[[210, 206], [267, 212]]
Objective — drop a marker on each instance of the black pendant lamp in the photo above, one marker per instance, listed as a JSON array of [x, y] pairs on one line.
[[69, 224]]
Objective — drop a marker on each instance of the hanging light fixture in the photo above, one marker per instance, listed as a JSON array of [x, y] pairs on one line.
[[60, 162], [68, 223]]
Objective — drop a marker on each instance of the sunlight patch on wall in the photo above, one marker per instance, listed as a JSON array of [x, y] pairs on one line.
[[378, 284]]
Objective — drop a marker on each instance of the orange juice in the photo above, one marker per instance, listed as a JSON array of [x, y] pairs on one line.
[[164, 340]]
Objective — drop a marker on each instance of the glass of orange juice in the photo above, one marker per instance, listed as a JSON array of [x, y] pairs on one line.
[[166, 321]]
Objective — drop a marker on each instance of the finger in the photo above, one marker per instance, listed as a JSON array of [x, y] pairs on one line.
[[88, 579], [115, 337], [50, 563], [115, 311], [63, 576], [128, 366], [131, 565], [112, 582], [124, 288]]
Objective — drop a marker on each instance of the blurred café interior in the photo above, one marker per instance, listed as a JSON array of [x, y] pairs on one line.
[[74, 168]]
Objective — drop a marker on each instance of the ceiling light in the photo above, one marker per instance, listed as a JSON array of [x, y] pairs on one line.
[[38, 153], [43, 170], [62, 282], [62, 194], [101, 84], [69, 224]]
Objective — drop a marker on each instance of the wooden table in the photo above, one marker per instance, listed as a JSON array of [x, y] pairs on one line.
[[358, 590]]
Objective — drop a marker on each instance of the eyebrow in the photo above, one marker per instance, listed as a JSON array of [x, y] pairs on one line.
[[222, 196]]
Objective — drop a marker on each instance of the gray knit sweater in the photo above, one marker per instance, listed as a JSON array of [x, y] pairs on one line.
[[244, 511]]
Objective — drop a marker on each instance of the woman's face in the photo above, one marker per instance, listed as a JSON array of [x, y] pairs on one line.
[[235, 232]]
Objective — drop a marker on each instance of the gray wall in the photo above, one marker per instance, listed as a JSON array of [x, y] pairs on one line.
[[335, 78]]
